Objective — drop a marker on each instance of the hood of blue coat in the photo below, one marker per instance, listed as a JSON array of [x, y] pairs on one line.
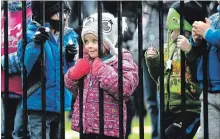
[[14, 6]]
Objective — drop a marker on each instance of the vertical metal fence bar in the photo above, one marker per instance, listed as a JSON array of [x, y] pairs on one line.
[[140, 68], [161, 43], [81, 80], [43, 92], [205, 84], [6, 85], [62, 100], [100, 41], [183, 98], [120, 73], [24, 42]]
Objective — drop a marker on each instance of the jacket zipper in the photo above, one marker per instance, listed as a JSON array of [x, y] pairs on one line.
[[90, 79], [90, 84]]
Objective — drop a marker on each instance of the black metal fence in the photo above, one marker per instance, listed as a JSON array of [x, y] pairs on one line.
[[120, 79]]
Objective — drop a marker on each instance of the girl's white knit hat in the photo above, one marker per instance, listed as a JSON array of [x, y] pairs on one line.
[[109, 29]]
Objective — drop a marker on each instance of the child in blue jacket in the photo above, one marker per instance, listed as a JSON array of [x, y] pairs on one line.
[[50, 37], [210, 31]]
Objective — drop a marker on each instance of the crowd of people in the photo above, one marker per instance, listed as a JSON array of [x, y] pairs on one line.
[[200, 32]]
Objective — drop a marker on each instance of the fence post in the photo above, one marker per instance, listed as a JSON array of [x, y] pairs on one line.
[[182, 55], [6, 80], [62, 100], [24, 43], [205, 84], [140, 68], [161, 49], [81, 81], [101, 97], [43, 92], [120, 73]]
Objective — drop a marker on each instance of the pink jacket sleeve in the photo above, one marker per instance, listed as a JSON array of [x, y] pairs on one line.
[[71, 84], [108, 77]]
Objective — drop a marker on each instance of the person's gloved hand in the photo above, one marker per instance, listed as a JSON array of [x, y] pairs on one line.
[[81, 69], [96, 65], [41, 35], [183, 43], [71, 51]]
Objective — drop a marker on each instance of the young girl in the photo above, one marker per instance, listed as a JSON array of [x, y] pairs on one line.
[[103, 71]]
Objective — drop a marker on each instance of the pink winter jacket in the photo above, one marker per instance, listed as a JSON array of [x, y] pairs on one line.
[[108, 78]]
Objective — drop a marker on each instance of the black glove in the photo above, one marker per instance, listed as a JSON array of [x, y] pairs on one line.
[[71, 51], [41, 35]]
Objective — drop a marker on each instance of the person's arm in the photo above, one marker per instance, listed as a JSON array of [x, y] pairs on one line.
[[31, 55], [13, 63], [72, 85], [79, 70], [212, 36], [35, 37], [191, 50], [206, 31], [191, 60], [108, 77], [20, 53], [70, 59], [192, 55], [16, 58], [153, 64]]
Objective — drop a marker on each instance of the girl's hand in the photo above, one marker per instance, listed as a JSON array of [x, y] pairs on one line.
[[96, 65], [80, 69], [151, 52], [183, 43]]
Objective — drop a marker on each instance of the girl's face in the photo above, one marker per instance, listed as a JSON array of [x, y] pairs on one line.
[[91, 45]]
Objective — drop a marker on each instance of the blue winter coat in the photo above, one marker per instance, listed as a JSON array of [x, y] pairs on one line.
[[52, 66], [212, 36]]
